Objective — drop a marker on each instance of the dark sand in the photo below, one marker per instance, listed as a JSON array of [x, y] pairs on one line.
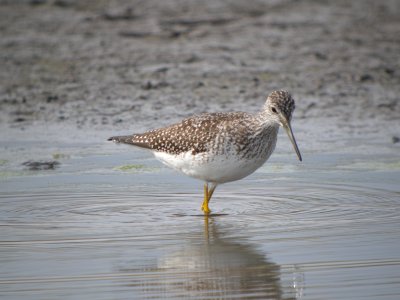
[[130, 65]]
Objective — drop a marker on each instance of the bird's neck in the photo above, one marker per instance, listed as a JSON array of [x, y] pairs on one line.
[[266, 124], [265, 119]]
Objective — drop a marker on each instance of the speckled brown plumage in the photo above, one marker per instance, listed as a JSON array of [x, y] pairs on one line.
[[196, 134]]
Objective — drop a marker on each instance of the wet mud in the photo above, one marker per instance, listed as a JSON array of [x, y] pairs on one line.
[[133, 64]]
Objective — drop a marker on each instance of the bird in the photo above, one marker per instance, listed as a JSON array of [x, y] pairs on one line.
[[220, 147]]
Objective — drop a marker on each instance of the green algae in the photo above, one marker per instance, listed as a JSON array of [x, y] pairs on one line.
[[134, 168]]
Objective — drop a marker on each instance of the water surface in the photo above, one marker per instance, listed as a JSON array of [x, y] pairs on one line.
[[94, 229]]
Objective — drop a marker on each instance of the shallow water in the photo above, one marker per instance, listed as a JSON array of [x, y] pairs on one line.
[[324, 229]]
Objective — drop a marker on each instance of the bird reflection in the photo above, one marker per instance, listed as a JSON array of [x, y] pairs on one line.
[[214, 266]]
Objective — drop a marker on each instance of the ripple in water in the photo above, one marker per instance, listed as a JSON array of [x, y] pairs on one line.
[[266, 243]]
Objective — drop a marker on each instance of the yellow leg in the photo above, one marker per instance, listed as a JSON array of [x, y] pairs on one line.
[[204, 206], [207, 197], [211, 191]]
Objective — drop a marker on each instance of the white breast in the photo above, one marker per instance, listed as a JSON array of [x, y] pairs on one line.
[[219, 168]]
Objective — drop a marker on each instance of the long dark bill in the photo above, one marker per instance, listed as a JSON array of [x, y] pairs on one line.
[[289, 132]]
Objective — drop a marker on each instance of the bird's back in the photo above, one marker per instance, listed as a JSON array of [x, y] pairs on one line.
[[193, 134]]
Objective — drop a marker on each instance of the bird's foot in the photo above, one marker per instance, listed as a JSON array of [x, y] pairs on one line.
[[205, 208]]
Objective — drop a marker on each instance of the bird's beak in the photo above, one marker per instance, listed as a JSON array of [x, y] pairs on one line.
[[288, 128]]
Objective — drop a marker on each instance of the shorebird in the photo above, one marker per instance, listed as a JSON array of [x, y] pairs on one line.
[[220, 147]]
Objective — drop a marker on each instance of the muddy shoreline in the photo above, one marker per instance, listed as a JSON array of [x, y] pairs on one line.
[[118, 65]]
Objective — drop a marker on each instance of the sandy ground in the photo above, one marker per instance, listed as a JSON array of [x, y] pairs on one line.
[[118, 66]]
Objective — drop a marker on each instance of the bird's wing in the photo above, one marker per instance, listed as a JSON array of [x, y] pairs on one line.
[[192, 134]]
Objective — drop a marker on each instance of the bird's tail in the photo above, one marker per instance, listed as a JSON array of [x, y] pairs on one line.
[[126, 139]]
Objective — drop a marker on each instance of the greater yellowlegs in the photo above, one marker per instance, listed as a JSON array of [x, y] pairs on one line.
[[220, 147]]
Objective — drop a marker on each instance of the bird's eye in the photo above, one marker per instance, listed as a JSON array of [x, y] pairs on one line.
[[274, 110]]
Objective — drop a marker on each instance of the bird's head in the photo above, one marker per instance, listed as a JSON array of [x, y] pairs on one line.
[[280, 106]]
